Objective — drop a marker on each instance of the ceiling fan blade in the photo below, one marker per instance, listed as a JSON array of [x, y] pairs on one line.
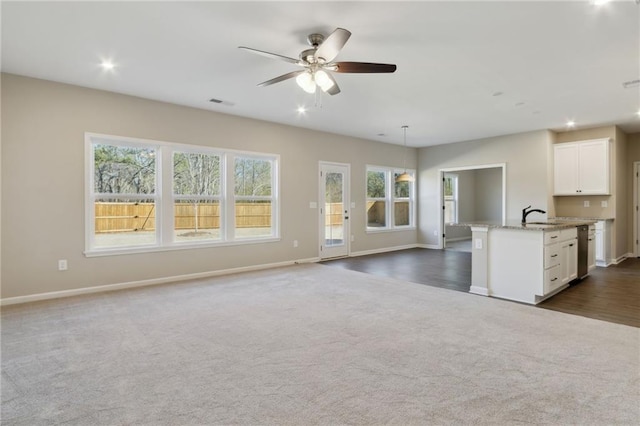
[[332, 45], [283, 77], [362, 67], [272, 55], [335, 89]]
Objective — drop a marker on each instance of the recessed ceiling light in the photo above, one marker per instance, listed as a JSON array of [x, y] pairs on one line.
[[107, 65], [638, 113], [302, 110], [600, 2], [571, 123]]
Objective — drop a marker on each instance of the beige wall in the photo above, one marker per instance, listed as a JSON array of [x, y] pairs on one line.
[[43, 126], [633, 155], [488, 189], [526, 156]]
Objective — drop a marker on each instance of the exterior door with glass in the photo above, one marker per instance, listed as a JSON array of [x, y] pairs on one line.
[[334, 210]]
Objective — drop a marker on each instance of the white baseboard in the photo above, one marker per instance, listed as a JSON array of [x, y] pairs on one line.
[[143, 283], [621, 258], [482, 291], [382, 250], [429, 246], [451, 240]]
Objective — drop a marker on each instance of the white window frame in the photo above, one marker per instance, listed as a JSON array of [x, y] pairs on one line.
[[390, 199], [164, 191]]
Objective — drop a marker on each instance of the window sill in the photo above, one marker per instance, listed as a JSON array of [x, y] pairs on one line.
[[186, 246], [397, 229]]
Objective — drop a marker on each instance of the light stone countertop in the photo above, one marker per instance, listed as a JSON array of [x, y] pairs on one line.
[[542, 225]]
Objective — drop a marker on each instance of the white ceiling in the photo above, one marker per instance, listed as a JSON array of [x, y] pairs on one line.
[[551, 61]]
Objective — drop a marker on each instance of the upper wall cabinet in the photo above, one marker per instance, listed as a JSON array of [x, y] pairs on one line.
[[582, 168]]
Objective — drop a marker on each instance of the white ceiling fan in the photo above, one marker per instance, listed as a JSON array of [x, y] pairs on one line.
[[317, 63]]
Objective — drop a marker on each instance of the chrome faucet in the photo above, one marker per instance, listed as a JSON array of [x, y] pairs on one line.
[[526, 212]]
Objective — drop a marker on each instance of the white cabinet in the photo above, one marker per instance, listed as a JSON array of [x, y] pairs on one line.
[[603, 243], [582, 168], [591, 250], [568, 255], [562, 246]]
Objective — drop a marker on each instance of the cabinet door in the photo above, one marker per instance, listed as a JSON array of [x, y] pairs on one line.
[[565, 169], [591, 251], [593, 167], [568, 261], [572, 262], [599, 245]]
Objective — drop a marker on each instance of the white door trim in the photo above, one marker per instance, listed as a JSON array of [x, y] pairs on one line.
[[503, 166]]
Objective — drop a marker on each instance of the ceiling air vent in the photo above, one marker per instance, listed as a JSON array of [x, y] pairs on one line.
[[215, 101], [630, 84]]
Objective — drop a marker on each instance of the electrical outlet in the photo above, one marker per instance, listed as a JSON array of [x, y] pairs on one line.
[[604, 204], [587, 203], [313, 205], [62, 265], [295, 243], [435, 232], [479, 243]]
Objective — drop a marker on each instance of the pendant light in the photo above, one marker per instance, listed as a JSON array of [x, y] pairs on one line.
[[405, 177]]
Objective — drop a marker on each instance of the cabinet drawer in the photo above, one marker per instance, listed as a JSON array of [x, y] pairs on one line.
[[552, 279], [568, 234], [551, 255], [551, 237]]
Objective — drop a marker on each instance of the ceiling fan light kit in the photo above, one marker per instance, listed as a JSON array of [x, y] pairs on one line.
[[317, 63]]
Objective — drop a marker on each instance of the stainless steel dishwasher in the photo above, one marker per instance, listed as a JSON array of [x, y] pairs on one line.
[[583, 251]]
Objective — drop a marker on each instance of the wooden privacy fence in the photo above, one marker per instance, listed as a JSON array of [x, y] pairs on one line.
[[126, 217]]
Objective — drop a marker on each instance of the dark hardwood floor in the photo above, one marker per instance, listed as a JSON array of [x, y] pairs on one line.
[[438, 268], [609, 294]]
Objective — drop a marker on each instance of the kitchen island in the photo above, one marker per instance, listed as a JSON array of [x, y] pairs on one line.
[[526, 263]]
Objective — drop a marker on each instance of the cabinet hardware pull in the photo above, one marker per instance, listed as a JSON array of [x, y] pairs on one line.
[[555, 279], [555, 236], [570, 245], [554, 255]]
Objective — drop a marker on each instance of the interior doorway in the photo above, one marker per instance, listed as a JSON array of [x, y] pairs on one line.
[[472, 194], [334, 210], [636, 213]]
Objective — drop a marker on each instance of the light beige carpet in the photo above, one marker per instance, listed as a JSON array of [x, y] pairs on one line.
[[310, 344]]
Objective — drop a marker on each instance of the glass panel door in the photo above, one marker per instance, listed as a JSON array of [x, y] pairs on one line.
[[334, 210]]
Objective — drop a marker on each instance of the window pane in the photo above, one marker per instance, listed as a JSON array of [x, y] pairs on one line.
[[448, 186], [196, 174], [376, 214], [375, 185], [401, 188], [253, 218], [253, 177], [401, 213], [124, 222], [196, 220], [450, 211], [124, 170]]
